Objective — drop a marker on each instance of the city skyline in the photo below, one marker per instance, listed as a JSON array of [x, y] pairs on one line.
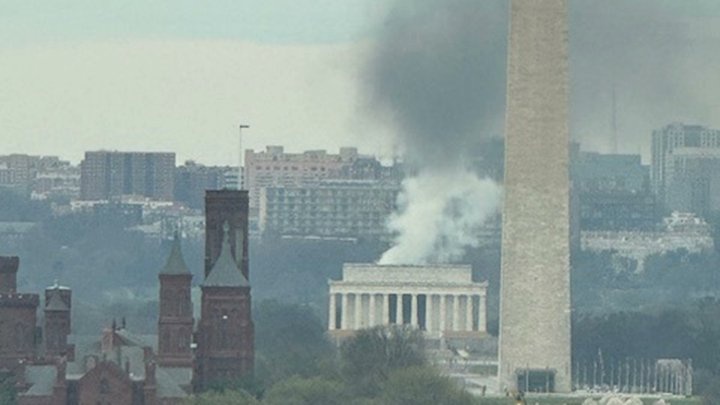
[[173, 81], [404, 201]]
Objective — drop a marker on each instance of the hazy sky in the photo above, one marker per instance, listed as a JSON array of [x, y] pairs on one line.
[[180, 75]]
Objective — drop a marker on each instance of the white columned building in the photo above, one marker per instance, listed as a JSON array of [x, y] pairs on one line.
[[441, 300]]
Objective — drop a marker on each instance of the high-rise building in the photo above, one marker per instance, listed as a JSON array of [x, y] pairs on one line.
[[22, 166], [686, 168], [276, 168], [613, 192], [105, 175], [333, 208], [597, 172], [39, 176], [192, 179], [534, 342]]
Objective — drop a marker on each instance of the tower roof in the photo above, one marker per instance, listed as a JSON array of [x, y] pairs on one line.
[[175, 262], [225, 272], [56, 303]]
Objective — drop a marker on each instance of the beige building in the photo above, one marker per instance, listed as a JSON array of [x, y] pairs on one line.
[[276, 168], [441, 300]]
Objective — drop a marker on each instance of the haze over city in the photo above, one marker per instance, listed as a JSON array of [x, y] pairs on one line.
[[407, 202]]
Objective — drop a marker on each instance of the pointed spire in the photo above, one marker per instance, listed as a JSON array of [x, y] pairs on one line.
[[175, 263], [55, 302], [225, 272]]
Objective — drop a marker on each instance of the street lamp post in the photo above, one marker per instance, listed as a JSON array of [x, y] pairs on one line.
[[240, 157]]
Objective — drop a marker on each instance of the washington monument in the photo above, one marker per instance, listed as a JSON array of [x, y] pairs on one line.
[[535, 283]]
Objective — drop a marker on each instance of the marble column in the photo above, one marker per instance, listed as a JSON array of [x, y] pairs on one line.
[[371, 314], [482, 314], [332, 313], [386, 310], [443, 313], [358, 311], [399, 310], [469, 313], [456, 313], [344, 316], [414, 310], [428, 312]]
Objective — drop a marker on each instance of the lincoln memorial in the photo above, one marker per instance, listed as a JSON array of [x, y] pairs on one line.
[[441, 300]]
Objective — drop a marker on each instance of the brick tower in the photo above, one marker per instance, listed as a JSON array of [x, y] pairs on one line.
[[175, 321], [18, 316], [225, 334], [58, 305], [231, 207], [8, 273], [534, 346]]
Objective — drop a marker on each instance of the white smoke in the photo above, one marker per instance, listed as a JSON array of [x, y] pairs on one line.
[[440, 213]]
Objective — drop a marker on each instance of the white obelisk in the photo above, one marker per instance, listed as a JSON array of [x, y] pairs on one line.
[[534, 346]]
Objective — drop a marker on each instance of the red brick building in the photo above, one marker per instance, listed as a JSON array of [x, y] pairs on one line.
[[58, 305], [54, 367], [225, 333], [18, 317], [175, 320], [225, 336], [119, 368]]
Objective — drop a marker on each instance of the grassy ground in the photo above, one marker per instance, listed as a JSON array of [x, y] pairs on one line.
[[558, 400]]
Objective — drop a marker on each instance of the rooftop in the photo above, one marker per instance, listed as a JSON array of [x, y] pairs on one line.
[[403, 273], [56, 303], [175, 263]]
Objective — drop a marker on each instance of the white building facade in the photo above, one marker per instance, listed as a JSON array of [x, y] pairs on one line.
[[441, 300], [680, 231]]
